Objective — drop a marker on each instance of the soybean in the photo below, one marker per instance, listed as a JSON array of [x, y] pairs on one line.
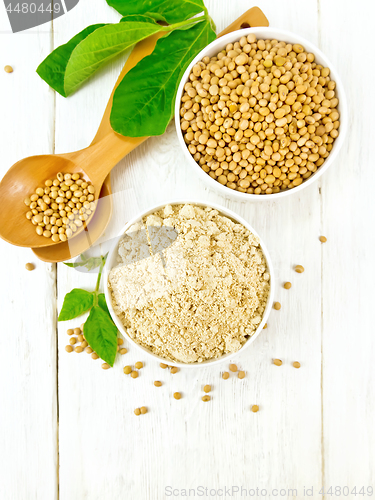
[[50, 206]]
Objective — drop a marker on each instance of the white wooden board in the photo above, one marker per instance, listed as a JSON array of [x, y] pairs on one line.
[[315, 425]]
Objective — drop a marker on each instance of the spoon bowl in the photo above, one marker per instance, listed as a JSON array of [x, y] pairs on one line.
[[92, 232]]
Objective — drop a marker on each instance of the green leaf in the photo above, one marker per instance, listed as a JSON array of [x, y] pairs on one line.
[[103, 303], [52, 69], [88, 262], [143, 102], [76, 303], [101, 334], [171, 11], [138, 17], [101, 46]]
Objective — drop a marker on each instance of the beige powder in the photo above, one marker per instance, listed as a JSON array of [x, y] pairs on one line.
[[204, 297]]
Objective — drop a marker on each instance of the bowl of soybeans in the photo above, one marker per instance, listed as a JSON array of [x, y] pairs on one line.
[[260, 113]]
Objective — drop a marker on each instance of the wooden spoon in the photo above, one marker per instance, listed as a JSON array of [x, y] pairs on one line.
[[94, 162]]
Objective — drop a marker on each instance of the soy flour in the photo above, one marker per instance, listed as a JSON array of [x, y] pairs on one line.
[[201, 297]]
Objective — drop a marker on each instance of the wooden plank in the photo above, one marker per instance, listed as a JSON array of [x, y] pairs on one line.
[[187, 443], [28, 431], [348, 271]]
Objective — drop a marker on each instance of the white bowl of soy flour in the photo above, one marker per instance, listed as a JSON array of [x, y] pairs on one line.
[[189, 283]]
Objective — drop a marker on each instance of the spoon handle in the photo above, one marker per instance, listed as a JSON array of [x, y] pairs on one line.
[[141, 50], [108, 147]]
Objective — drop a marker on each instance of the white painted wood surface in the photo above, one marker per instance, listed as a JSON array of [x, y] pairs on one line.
[[67, 428]]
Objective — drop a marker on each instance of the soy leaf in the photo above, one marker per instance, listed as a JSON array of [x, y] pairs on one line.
[[76, 303], [143, 102], [171, 11], [89, 263], [101, 334], [52, 69], [103, 303], [101, 46]]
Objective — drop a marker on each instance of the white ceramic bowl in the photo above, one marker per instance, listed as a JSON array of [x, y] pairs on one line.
[[284, 36], [112, 262]]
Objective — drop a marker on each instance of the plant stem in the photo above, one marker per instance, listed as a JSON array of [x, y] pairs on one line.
[[100, 274], [185, 23]]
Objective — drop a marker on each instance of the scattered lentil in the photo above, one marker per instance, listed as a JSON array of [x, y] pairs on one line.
[[88, 350], [105, 366], [177, 395], [123, 350], [29, 266], [225, 375], [233, 368], [70, 331], [163, 365], [137, 411], [72, 341], [299, 269], [143, 410], [207, 388], [77, 331], [277, 306], [139, 365], [323, 239], [255, 408], [206, 398], [157, 383], [68, 348], [94, 355], [241, 374], [134, 374], [287, 285], [78, 348], [277, 362], [120, 341], [8, 69], [174, 369], [127, 370], [296, 364]]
